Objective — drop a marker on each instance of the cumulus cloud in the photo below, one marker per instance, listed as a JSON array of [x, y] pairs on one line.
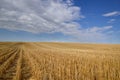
[[37, 15], [114, 13], [47, 16]]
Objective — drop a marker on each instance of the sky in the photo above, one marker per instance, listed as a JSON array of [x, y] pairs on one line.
[[84, 21]]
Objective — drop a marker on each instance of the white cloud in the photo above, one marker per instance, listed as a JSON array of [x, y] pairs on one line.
[[99, 29], [114, 13], [38, 16], [47, 16], [111, 20]]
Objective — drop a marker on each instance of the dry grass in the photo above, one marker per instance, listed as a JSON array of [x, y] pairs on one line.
[[59, 61]]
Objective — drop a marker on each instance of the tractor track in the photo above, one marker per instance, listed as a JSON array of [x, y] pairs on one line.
[[10, 72], [26, 69], [7, 55], [18, 68]]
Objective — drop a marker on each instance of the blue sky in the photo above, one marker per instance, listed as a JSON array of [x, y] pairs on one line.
[[88, 21]]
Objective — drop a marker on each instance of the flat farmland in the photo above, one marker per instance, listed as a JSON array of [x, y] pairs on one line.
[[59, 61]]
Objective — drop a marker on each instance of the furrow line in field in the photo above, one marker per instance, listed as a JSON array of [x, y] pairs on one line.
[[5, 51], [8, 69], [3, 58], [26, 69], [18, 75], [34, 66]]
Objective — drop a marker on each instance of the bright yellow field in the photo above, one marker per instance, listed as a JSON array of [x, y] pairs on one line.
[[59, 61]]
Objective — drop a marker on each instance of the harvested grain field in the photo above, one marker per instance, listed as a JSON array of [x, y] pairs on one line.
[[59, 61]]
